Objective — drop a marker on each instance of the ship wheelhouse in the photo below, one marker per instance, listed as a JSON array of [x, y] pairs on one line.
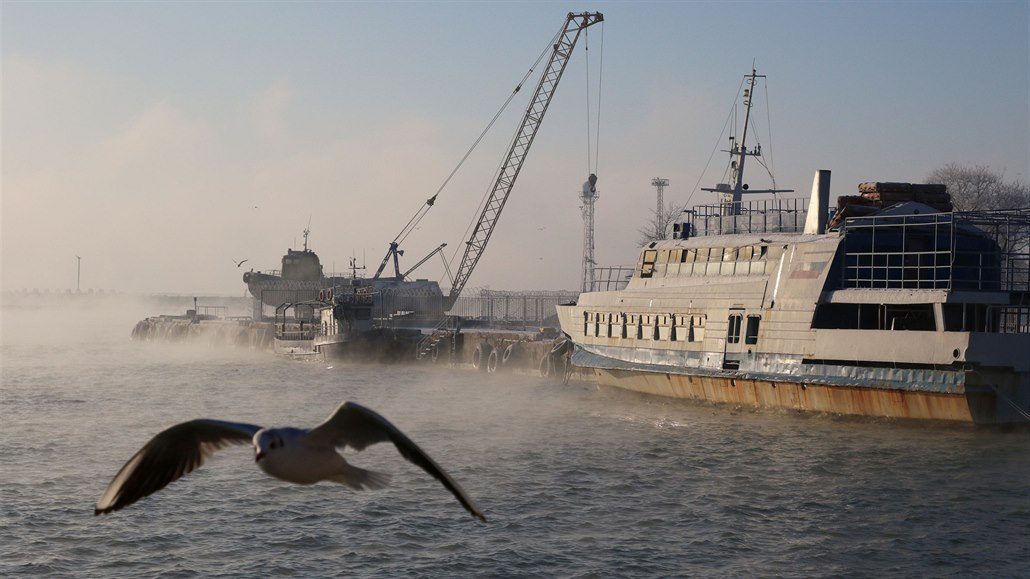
[[301, 266]]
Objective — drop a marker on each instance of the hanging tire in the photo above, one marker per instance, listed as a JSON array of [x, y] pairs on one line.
[[510, 355], [480, 356], [546, 366], [560, 347], [492, 361]]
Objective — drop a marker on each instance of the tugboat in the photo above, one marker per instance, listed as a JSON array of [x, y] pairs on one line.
[[900, 308]]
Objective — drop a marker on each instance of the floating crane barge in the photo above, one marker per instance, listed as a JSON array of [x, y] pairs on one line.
[[347, 323]]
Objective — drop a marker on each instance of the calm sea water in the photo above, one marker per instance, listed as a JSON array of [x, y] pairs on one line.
[[575, 481]]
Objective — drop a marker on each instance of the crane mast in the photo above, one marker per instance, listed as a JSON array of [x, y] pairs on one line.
[[484, 228]]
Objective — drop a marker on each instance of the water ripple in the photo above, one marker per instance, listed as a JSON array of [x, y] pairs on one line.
[[575, 481]]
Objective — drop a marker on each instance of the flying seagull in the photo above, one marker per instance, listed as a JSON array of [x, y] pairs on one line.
[[295, 455], [239, 263]]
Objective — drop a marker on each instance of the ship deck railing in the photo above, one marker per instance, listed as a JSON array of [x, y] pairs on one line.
[[296, 336], [980, 251], [511, 308], [213, 311], [330, 275], [1011, 319], [778, 215]]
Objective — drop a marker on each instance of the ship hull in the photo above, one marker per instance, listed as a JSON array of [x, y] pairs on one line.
[[381, 345], [273, 290], [296, 349], [969, 403]]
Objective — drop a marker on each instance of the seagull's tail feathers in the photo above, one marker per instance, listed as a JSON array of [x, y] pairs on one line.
[[361, 479]]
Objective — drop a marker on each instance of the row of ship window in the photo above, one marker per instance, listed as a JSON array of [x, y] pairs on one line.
[[707, 261], [672, 327]]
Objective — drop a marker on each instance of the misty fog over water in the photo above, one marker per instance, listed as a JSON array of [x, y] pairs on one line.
[[574, 481]]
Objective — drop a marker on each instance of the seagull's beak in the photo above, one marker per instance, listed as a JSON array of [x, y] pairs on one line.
[[260, 454]]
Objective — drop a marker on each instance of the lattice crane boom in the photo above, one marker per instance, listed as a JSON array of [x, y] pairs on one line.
[[484, 228]]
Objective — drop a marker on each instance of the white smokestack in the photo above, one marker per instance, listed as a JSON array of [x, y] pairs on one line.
[[819, 204]]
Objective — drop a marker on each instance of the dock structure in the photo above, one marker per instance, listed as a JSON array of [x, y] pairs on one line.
[[491, 331]]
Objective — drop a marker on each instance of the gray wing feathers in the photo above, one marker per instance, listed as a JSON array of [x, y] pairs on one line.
[[358, 427], [168, 456], [361, 479]]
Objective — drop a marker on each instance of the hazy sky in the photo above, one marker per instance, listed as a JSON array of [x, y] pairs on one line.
[[160, 141]]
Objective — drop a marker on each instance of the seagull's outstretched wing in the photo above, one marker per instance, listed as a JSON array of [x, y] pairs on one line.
[[358, 427], [168, 456]]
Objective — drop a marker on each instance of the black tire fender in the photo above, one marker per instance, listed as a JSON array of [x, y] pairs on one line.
[[510, 354]]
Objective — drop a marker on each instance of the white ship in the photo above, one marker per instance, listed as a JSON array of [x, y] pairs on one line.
[[900, 308]]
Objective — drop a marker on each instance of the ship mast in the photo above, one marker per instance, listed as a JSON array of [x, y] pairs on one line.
[[741, 149], [731, 194]]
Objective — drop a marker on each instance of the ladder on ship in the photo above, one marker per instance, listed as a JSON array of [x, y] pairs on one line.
[[446, 330]]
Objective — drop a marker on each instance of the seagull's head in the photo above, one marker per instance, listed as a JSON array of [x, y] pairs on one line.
[[266, 441]]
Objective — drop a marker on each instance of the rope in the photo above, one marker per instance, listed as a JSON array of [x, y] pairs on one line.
[[768, 119], [1011, 403], [730, 116], [754, 125]]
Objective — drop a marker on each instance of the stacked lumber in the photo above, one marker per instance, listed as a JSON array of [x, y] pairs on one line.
[[873, 196], [886, 194]]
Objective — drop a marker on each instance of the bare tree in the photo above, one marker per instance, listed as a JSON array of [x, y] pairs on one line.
[[979, 188], [659, 226]]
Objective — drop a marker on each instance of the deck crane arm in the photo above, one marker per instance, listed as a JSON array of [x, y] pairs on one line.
[[394, 252], [484, 228], [423, 260]]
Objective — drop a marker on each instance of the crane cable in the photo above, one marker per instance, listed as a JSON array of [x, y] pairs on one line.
[[600, 76], [486, 195], [415, 219], [429, 203]]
